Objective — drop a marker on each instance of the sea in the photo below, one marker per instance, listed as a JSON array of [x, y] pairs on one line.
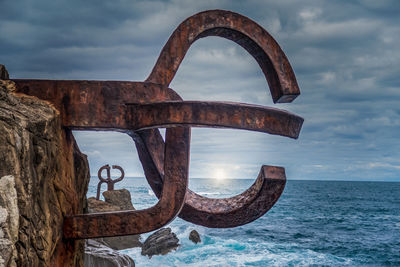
[[314, 223]]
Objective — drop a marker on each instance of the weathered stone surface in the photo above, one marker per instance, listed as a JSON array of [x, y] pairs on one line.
[[121, 242], [98, 255], [7, 247], [9, 221], [194, 237], [160, 243], [3, 73], [51, 178], [95, 205], [120, 198]]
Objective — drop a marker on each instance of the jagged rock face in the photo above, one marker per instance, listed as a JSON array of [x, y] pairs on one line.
[[51, 177], [3, 73], [160, 242]]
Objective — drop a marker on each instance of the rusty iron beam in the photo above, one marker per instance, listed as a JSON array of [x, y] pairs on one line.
[[141, 221], [97, 105], [94, 105], [214, 114]]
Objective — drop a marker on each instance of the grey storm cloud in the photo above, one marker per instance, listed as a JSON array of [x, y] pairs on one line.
[[345, 55]]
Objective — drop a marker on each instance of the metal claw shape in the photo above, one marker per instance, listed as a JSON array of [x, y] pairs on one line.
[[283, 86], [110, 182], [138, 108], [240, 209], [243, 31], [171, 200]]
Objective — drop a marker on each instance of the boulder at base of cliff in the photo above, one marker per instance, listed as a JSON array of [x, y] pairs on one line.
[[160, 242], [98, 255]]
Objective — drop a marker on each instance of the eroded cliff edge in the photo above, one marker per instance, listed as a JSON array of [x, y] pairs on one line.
[[50, 175]]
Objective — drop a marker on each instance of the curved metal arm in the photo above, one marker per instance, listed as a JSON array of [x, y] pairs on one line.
[[215, 213], [172, 198], [105, 167], [102, 180], [122, 174], [243, 31], [240, 209]]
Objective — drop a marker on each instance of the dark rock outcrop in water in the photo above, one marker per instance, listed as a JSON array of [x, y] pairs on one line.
[[194, 237], [160, 243], [42, 162], [98, 255], [115, 200]]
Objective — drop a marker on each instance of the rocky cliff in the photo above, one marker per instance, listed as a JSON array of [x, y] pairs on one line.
[[43, 176]]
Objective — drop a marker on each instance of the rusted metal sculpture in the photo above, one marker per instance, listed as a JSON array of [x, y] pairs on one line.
[[110, 182], [139, 108]]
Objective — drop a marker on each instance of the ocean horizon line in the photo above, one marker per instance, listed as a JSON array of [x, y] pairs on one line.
[[288, 179]]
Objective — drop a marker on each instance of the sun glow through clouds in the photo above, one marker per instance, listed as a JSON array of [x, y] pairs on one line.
[[219, 174]]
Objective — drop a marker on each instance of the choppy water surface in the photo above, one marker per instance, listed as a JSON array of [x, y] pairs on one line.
[[313, 223]]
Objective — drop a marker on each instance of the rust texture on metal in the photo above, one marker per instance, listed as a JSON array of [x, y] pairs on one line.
[[110, 182], [240, 209], [214, 114], [275, 66], [139, 108], [94, 105], [141, 221]]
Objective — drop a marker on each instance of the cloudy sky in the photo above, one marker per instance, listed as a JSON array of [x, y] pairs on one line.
[[346, 56]]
